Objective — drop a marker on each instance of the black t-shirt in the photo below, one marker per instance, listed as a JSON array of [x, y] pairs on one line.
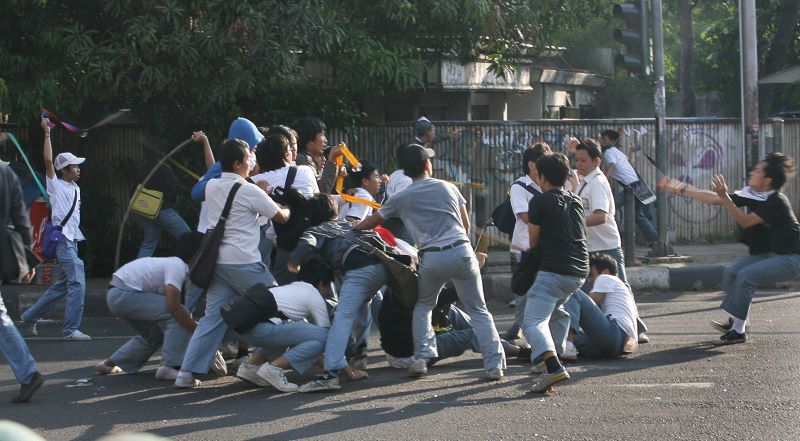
[[780, 232], [562, 237]]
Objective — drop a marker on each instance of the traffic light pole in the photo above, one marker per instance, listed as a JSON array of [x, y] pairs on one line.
[[661, 248]]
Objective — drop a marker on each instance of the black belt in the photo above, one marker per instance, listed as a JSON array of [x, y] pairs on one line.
[[444, 248]]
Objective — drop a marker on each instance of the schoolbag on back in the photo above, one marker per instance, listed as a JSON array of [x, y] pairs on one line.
[[289, 233], [503, 215]]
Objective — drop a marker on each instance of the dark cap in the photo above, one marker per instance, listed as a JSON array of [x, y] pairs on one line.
[[413, 155]]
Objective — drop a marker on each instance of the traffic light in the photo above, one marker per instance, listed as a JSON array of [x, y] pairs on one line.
[[635, 37]]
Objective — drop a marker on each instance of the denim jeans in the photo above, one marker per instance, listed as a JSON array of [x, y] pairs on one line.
[[597, 335], [147, 314], [14, 349], [546, 322], [167, 220], [265, 247], [280, 267], [70, 284], [305, 341], [740, 279], [460, 337], [358, 287], [230, 282], [362, 328], [459, 265], [642, 221], [519, 307]]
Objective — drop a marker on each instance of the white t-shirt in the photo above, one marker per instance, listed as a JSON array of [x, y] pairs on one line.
[[299, 301], [153, 274], [398, 181], [358, 211], [520, 199], [304, 181], [623, 170], [240, 242], [595, 193], [62, 193], [202, 221], [618, 303]]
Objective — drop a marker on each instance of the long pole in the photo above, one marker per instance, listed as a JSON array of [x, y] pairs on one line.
[[660, 248], [749, 66]]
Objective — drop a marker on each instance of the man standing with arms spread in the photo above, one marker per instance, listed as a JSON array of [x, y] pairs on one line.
[[64, 195], [13, 347]]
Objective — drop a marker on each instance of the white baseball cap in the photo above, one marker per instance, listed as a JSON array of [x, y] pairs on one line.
[[65, 159]]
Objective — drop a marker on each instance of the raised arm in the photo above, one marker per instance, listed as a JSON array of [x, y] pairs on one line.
[[208, 154], [673, 187], [47, 154]]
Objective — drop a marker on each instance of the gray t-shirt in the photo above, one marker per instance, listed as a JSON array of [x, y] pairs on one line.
[[431, 210]]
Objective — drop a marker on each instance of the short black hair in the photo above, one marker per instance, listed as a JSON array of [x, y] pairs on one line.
[[322, 208], [354, 179], [779, 168], [188, 244], [271, 152], [610, 134], [314, 272], [602, 262], [307, 127], [231, 151], [592, 148], [554, 167], [533, 153]]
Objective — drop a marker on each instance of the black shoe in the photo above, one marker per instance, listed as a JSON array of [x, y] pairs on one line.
[[725, 327], [525, 353], [731, 337], [512, 334], [26, 390]]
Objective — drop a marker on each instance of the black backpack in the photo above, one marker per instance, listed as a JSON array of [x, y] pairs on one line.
[[299, 220], [503, 215]]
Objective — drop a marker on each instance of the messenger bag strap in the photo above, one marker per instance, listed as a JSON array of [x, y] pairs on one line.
[[71, 210], [228, 203], [290, 175]]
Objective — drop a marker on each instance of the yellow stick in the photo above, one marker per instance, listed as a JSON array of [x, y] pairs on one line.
[[356, 200]]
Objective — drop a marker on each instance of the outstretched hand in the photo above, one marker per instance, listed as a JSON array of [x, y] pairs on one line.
[[719, 186]]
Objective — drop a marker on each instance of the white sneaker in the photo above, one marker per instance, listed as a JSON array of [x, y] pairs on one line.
[[419, 368], [495, 374], [321, 384], [539, 368], [77, 336], [219, 366], [570, 352], [274, 376], [166, 373], [103, 369], [185, 380], [249, 373]]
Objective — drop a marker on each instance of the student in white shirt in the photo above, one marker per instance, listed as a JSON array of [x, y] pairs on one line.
[[147, 293], [239, 264], [366, 183], [63, 192]]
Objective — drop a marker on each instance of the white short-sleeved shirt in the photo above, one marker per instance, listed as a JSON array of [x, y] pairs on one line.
[[595, 193], [430, 209], [202, 221], [398, 181], [305, 182], [240, 242], [618, 303], [299, 301], [354, 210], [153, 274], [623, 170], [62, 193], [520, 200]]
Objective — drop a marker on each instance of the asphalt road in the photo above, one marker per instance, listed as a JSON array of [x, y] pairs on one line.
[[676, 387]]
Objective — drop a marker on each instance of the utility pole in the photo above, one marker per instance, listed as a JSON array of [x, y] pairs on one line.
[[749, 67]]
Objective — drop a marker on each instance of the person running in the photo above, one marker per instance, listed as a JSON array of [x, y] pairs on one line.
[[771, 232], [436, 215], [12, 345], [65, 200]]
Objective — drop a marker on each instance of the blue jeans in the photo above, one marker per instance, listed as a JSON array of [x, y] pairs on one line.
[[740, 279], [147, 314], [597, 335], [459, 265], [167, 220], [642, 221], [70, 284], [362, 328], [546, 322], [280, 267], [305, 341], [230, 282], [14, 349], [265, 247], [460, 337], [358, 287]]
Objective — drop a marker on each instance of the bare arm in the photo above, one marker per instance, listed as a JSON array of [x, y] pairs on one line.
[[370, 222], [208, 154], [673, 187], [47, 154], [597, 218], [177, 310], [465, 218], [534, 231], [745, 220], [598, 297], [610, 171], [523, 217], [282, 216]]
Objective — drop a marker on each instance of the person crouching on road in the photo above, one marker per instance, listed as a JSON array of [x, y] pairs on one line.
[[436, 215], [147, 293]]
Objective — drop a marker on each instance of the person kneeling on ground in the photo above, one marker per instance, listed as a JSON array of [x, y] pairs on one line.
[[603, 323], [147, 294]]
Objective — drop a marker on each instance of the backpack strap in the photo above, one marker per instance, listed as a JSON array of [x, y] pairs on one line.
[[290, 175], [71, 210], [528, 187]]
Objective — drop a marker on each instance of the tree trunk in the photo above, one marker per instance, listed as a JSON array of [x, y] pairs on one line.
[[779, 49], [689, 105]]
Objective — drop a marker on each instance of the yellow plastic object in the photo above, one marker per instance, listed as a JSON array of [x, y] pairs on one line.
[[355, 200], [339, 177], [351, 158]]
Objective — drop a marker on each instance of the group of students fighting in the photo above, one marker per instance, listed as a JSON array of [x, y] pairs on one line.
[[318, 290]]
